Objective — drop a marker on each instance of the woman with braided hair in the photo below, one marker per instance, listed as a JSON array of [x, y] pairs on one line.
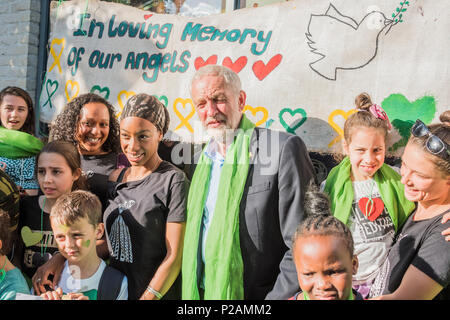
[[323, 253]]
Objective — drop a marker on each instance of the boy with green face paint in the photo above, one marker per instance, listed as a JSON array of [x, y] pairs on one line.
[[75, 220]]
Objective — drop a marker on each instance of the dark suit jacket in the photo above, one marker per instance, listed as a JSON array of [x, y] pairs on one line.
[[270, 211]]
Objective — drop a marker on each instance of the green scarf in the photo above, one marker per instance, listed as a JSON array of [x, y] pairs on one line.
[[339, 188], [17, 144], [224, 268]]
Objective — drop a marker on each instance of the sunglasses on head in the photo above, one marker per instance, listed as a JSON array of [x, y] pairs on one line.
[[434, 144]]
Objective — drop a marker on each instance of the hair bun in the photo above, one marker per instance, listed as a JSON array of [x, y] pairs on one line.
[[316, 202], [363, 101], [445, 118]]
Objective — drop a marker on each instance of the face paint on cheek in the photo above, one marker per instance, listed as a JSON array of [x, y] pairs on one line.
[[86, 243]]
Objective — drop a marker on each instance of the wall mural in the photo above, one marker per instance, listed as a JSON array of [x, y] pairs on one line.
[[301, 62]]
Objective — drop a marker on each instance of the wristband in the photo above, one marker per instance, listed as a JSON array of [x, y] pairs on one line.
[[154, 292]]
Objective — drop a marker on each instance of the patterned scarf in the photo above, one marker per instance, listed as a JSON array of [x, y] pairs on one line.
[[224, 268]]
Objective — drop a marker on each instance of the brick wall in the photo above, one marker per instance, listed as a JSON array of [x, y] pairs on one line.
[[19, 41]]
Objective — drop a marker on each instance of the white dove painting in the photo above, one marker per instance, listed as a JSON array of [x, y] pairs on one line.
[[354, 44]]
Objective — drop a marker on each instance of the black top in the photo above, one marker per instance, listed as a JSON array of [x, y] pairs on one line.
[[33, 237], [96, 169], [420, 244], [135, 222]]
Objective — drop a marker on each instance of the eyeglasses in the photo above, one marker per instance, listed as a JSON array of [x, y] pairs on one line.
[[434, 144]]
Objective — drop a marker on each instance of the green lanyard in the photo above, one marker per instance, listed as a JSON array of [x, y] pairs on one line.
[[350, 297], [43, 250]]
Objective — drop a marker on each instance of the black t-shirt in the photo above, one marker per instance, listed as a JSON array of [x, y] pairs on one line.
[[39, 243], [421, 244], [97, 169], [136, 220]]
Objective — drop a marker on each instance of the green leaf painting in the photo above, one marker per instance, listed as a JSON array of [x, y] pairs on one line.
[[404, 113]]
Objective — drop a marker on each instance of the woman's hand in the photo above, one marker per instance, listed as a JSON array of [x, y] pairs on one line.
[[54, 267]]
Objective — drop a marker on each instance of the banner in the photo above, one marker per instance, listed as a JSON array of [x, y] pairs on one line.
[[301, 63]]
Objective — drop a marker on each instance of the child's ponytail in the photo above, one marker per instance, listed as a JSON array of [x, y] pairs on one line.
[[363, 101], [445, 118], [319, 219], [369, 115]]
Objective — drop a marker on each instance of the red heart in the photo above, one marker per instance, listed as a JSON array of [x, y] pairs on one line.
[[261, 70], [147, 16], [377, 208], [237, 66], [199, 62]]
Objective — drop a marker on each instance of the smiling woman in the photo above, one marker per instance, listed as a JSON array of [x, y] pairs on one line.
[[89, 123], [145, 219], [418, 264]]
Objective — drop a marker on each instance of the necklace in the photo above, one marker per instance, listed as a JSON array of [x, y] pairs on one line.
[[371, 207], [126, 175]]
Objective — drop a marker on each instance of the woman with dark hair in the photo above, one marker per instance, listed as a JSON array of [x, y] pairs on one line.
[[18, 145], [418, 264], [76, 123], [25, 122], [89, 123]]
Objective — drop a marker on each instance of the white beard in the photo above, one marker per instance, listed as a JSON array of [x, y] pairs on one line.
[[217, 134]]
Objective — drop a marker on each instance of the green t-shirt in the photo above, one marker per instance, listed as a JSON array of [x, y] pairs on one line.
[[89, 286]]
